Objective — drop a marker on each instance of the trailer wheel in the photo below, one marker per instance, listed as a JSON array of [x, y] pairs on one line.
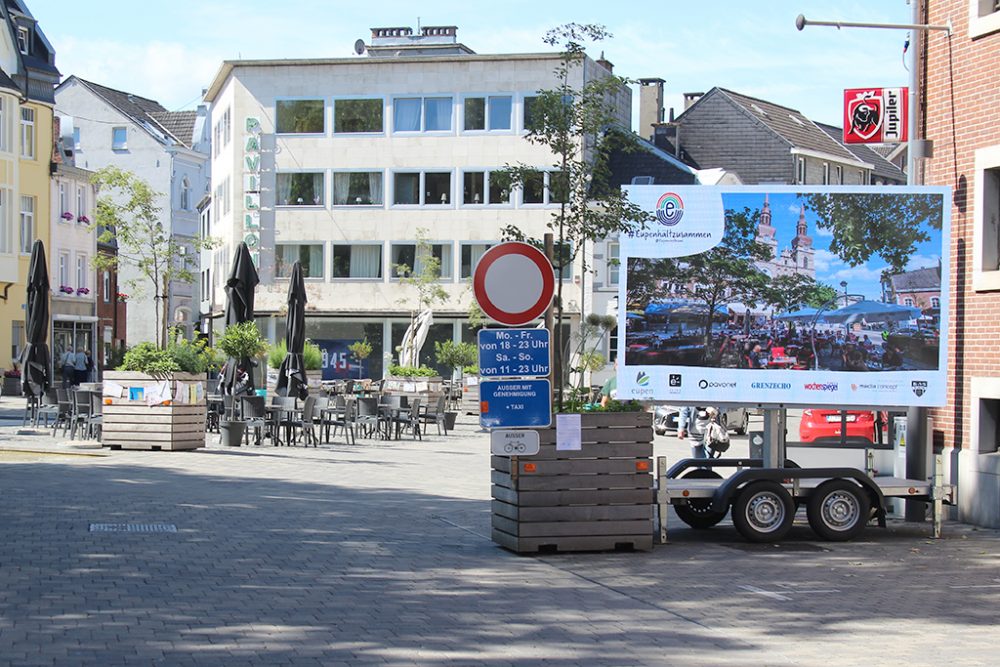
[[838, 510], [744, 425], [763, 512], [698, 513]]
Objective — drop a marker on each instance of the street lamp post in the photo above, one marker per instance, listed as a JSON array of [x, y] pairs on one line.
[[843, 286]]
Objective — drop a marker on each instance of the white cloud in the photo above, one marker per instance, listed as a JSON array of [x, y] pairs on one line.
[[922, 262], [825, 260], [824, 233]]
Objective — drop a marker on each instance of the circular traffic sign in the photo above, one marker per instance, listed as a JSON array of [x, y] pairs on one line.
[[513, 283]]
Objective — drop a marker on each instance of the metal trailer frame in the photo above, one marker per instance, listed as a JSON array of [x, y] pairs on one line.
[[672, 489]]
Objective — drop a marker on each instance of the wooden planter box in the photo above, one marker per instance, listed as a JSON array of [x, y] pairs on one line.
[[131, 424], [595, 499], [470, 395]]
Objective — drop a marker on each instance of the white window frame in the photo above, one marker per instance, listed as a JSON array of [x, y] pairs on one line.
[[472, 267], [324, 189], [306, 98], [840, 174], [81, 202], [81, 270], [908, 301], [613, 269], [486, 171], [423, 188], [323, 263], [386, 110], [4, 125], [982, 19], [8, 241], [227, 126], [826, 173], [383, 263], [185, 198], [333, 188], [27, 221], [486, 121], [119, 145], [546, 192], [23, 39], [63, 202], [106, 286], [800, 170], [423, 97], [450, 278], [935, 302], [63, 269], [28, 133], [986, 212]]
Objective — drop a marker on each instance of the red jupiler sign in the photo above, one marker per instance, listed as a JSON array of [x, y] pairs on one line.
[[875, 115]]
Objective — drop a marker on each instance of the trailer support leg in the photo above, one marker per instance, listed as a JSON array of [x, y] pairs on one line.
[[662, 495], [937, 500], [774, 438]]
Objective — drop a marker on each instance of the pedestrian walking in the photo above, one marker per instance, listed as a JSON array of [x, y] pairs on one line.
[[80, 366], [67, 366]]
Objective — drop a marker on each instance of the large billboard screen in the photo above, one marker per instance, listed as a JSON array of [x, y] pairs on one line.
[[786, 295]]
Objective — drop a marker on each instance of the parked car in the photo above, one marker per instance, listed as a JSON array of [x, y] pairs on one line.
[[824, 426], [734, 419], [920, 344]]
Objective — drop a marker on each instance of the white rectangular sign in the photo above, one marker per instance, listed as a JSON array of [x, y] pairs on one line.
[[507, 442]]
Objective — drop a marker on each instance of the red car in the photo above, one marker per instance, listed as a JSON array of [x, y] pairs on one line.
[[823, 426]]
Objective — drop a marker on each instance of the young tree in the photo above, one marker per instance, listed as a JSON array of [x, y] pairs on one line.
[[424, 277], [128, 215], [579, 122]]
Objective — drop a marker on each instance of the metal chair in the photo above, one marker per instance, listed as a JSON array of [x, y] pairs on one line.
[[96, 422], [410, 419], [347, 419], [49, 408], [281, 417], [81, 413], [368, 416], [255, 416], [435, 415]]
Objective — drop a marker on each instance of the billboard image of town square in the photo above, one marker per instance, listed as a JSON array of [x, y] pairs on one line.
[[840, 281]]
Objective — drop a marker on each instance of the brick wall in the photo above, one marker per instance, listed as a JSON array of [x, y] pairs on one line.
[[962, 93]]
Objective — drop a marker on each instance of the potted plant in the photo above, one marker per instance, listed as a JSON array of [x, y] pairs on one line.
[[360, 350], [243, 342], [312, 357], [456, 356], [12, 382]]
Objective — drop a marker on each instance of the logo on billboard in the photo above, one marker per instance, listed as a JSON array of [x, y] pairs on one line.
[[642, 379], [669, 209], [919, 387], [771, 385], [875, 115], [705, 384], [818, 386], [674, 380]]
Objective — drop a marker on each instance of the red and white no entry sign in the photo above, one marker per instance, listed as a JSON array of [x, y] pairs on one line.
[[513, 283]]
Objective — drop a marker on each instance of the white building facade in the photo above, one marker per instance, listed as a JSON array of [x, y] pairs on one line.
[[343, 164], [168, 150]]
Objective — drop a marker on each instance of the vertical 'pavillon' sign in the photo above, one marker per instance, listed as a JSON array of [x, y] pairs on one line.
[[251, 187]]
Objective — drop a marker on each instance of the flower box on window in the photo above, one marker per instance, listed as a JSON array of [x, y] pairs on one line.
[[83, 220], [66, 289], [67, 216], [83, 290], [122, 297]]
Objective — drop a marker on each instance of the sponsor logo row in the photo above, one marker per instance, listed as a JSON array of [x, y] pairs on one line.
[[675, 381]]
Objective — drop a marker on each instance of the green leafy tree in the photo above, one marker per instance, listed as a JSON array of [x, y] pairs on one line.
[[129, 216], [360, 350], [456, 355], [579, 121]]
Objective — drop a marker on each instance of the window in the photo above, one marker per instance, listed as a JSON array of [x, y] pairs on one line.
[[840, 175], [359, 261], [357, 188], [908, 302], [4, 131], [80, 204], [411, 259], [310, 256], [476, 183], [826, 173], [185, 194], [935, 302], [63, 268], [800, 170], [106, 286], [986, 219], [422, 188], [422, 114], [984, 17], [81, 270], [861, 177], [488, 113], [471, 254], [562, 253], [27, 133], [227, 127], [544, 187], [16, 338], [63, 201], [531, 112], [23, 40], [533, 188], [119, 138], [7, 240], [354, 116], [76, 138], [614, 252], [300, 189], [27, 223], [299, 117], [226, 199]]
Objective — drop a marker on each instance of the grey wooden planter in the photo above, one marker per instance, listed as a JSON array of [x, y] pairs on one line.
[[595, 499], [128, 424]]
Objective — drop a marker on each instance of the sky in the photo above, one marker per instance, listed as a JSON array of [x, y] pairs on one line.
[[864, 279], [171, 51]]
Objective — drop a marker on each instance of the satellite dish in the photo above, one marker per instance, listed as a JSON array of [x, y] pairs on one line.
[[359, 47]]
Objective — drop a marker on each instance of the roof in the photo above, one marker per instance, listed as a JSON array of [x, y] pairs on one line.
[[7, 82], [789, 124], [917, 280], [882, 167], [149, 114], [648, 161]]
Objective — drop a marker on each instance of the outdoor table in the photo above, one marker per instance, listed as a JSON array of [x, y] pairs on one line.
[[275, 413], [781, 362]]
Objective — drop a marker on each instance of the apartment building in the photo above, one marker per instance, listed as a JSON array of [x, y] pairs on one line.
[[345, 164]]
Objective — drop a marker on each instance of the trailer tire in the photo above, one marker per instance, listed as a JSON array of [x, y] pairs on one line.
[[838, 510], [763, 512], [698, 513], [744, 425]]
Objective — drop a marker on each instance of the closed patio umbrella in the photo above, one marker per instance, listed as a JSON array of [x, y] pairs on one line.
[[35, 357], [292, 372], [414, 337], [238, 376]]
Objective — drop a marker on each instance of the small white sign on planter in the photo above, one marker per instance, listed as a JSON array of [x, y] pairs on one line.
[[508, 442]]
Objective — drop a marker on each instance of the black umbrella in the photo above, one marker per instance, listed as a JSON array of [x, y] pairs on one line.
[[292, 373], [35, 358], [237, 377]]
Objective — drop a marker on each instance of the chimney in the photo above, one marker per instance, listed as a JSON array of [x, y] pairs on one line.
[[606, 64], [690, 99], [650, 106]]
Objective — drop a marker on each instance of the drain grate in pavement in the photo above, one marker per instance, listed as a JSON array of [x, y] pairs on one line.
[[133, 528]]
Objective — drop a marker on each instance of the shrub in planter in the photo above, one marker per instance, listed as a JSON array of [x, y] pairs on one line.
[[311, 355]]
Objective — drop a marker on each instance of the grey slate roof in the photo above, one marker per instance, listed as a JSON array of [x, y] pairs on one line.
[[147, 113], [8, 83], [917, 280], [789, 124], [648, 160], [883, 168]]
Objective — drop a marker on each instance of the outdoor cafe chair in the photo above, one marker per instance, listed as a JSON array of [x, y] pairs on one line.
[[331, 414], [96, 421], [282, 412], [345, 417], [255, 417], [409, 420], [81, 414], [49, 407], [435, 414], [368, 416], [64, 411]]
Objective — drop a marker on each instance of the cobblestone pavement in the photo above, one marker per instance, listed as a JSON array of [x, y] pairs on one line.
[[379, 553]]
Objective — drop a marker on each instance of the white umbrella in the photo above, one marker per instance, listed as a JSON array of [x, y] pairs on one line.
[[872, 311], [413, 339]]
